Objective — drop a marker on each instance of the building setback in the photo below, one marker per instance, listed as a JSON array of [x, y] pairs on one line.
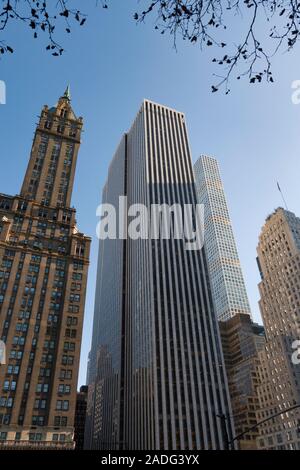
[[43, 274], [279, 379], [157, 376], [226, 277], [241, 341]]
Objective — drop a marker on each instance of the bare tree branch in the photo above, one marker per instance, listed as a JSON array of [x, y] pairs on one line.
[[263, 28], [41, 16], [207, 22]]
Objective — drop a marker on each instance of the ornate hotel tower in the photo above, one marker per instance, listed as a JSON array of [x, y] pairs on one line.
[[43, 275], [157, 376], [279, 373]]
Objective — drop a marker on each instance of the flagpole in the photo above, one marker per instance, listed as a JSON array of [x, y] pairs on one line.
[[279, 189]]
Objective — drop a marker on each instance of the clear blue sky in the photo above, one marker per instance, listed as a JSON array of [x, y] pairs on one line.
[[112, 64]]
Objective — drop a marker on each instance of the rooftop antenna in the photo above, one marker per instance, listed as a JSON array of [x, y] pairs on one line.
[[279, 189]]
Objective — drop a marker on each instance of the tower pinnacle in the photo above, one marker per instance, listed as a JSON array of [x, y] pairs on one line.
[[67, 93]]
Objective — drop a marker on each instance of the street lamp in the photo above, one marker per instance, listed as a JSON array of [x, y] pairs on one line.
[[229, 442]]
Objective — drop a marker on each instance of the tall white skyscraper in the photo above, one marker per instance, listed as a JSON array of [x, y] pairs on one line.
[[227, 282], [157, 377]]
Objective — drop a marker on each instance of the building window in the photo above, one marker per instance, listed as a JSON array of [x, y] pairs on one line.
[[69, 346], [6, 385], [35, 436], [70, 333], [77, 276], [64, 389], [279, 439], [60, 421], [68, 360], [73, 308], [65, 374], [75, 298], [62, 405], [38, 420], [72, 321]]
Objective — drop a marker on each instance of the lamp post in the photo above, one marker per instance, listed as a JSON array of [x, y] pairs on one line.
[[229, 442]]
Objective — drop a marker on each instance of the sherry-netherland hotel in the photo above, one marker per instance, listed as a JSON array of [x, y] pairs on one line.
[[43, 274]]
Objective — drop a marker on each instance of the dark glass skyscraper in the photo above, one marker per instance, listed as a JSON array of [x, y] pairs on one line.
[[157, 376]]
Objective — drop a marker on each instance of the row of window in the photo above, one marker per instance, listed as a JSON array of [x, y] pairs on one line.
[[60, 128]]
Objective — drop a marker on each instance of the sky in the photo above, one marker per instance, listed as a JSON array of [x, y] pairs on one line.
[[112, 64]]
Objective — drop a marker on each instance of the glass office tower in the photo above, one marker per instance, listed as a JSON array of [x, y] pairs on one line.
[[157, 377], [226, 277]]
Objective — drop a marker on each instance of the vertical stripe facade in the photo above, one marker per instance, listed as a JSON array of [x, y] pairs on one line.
[[173, 380], [106, 369]]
